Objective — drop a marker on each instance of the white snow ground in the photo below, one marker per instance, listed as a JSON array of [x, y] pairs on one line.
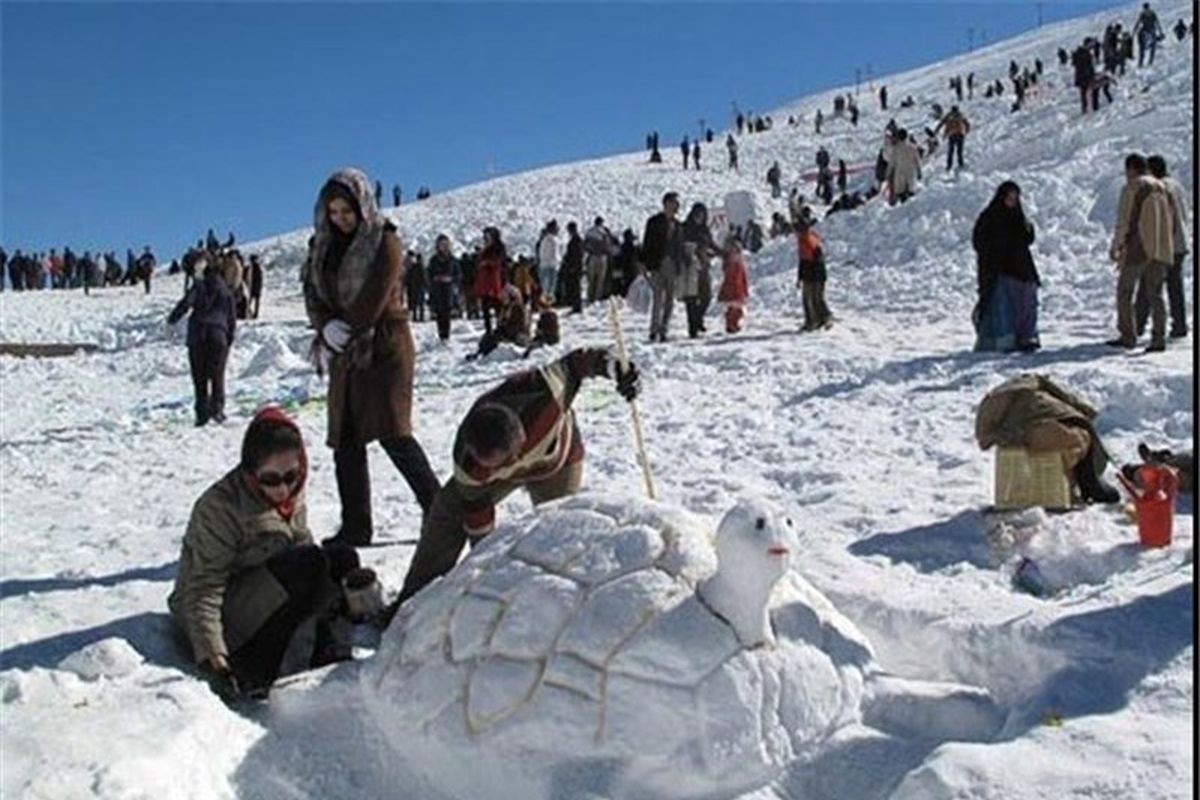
[[866, 430]]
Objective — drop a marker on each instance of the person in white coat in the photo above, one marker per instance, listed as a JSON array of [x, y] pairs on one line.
[[548, 255], [904, 168]]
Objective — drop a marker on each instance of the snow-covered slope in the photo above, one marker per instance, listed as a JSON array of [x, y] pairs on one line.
[[864, 430]]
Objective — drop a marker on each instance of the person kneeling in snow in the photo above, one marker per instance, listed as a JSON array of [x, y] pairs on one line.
[[1034, 412], [254, 596], [521, 434]]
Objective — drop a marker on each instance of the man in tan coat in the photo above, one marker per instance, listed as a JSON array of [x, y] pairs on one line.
[[1143, 249]]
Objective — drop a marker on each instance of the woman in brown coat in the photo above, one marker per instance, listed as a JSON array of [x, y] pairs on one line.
[[353, 292]]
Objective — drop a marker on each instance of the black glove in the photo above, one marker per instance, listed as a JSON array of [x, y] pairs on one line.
[[222, 681], [629, 382]]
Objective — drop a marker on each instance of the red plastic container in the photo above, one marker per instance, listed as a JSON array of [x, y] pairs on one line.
[[1155, 503]]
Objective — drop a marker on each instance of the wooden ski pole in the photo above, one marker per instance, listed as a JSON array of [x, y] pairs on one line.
[[614, 317]]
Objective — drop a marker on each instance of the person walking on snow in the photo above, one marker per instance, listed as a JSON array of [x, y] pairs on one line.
[[662, 255], [696, 155], [955, 128], [522, 434], [1143, 248], [1148, 32], [442, 266], [1005, 316], [774, 180], [685, 147], [883, 98], [548, 261], [732, 147], [904, 168], [1176, 297], [598, 245], [209, 336], [811, 272], [735, 288], [489, 275], [353, 296]]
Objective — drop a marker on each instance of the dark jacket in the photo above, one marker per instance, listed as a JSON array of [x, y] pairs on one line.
[[663, 239], [442, 268], [1085, 66], [213, 311], [1001, 238]]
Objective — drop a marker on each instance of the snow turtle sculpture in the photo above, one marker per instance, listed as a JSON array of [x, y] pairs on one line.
[[618, 647]]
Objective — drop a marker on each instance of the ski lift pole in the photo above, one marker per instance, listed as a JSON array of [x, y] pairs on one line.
[[614, 317]]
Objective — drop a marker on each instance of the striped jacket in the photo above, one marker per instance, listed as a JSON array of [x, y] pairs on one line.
[[542, 399]]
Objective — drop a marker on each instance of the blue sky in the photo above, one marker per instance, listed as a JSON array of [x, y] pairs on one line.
[[147, 123]]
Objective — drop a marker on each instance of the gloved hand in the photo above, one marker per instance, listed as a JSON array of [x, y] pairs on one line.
[[629, 382], [336, 334], [221, 678]]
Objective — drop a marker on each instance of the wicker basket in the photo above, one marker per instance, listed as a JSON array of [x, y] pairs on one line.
[[1025, 479]]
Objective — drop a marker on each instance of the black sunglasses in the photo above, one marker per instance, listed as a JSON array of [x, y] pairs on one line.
[[273, 479]]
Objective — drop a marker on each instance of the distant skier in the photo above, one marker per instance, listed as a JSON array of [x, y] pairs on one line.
[[841, 175]]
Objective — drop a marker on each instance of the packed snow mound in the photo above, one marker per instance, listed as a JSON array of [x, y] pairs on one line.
[[117, 722], [585, 648], [573, 647]]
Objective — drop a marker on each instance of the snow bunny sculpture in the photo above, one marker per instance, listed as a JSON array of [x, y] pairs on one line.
[[617, 648]]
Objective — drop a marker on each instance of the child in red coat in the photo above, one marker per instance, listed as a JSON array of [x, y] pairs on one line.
[[735, 288]]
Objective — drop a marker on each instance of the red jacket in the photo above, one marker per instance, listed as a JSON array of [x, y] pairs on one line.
[[735, 287], [489, 276]]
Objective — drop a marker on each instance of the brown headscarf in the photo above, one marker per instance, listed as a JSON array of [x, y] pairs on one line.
[[340, 285]]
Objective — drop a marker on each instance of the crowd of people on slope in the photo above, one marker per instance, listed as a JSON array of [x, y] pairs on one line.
[[242, 605], [69, 270]]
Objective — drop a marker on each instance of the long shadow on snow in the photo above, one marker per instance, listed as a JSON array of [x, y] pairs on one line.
[[15, 587], [152, 634], [1109, 652], [916, 369], [933, 547]]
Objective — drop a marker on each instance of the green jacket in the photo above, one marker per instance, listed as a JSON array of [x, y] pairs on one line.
[[223, 592]]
